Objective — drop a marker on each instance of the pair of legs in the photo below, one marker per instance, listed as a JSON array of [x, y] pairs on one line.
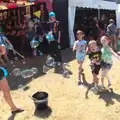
[[105, 75], [6, 92], [95, 72], [80, 70], [113, 43], [55, 51]]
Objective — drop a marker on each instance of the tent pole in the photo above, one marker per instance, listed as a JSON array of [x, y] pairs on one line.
[[99, 13]]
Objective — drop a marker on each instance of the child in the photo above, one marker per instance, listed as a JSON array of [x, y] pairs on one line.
[[107, 61], [95, 58], [80, 46]]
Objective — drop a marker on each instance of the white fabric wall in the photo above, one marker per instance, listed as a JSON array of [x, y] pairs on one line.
[[118, 16], [71, 19]]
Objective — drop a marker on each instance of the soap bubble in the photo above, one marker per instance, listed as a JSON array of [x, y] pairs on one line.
[[35, 70], [24, 62], [66, 74], [50, 61], [27, 73], [40, 38], [59, 47], [10, 47], [16, 58], [16, 72], [50, 37], [11, 62], [20, 87], [45, 69], [40, 53], [34, 43]]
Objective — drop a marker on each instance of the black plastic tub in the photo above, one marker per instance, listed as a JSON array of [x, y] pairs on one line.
[[40, 100]]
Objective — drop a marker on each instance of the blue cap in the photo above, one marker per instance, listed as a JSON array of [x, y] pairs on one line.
[[52, 14]]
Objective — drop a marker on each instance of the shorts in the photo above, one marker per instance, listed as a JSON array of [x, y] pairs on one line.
[[3, 73], [80, 58], [105, 65], [95, 68]]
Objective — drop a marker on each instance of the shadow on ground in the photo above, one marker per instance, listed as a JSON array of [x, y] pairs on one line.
[[38, 62], [43, 113], [107, 96]]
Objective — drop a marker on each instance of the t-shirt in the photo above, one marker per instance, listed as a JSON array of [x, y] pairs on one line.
[[95, 55], [106, 55], [55, 28], [111, 29], [80, 48]]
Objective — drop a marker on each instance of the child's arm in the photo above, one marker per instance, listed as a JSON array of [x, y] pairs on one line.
[[114, 54], [74, 47]]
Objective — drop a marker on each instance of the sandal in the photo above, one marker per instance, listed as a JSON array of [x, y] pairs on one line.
[[17, 111]]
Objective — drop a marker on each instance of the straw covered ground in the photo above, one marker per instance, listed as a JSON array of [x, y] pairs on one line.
[[66, 99]]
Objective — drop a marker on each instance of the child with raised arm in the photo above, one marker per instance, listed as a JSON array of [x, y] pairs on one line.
[[107, 62], [80, 46]]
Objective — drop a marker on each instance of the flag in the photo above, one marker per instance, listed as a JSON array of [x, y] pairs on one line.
[[37, 14]]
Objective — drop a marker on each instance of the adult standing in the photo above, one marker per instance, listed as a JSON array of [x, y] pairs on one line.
[[54, 46], [95, 29], [111, 31]]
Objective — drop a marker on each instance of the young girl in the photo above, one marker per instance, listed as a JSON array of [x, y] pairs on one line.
[[95, 60], [80, 46], [107, 61]]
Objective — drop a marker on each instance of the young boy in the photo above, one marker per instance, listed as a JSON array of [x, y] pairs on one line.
[[95, 58]]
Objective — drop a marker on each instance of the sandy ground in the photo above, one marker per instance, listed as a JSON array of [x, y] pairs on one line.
[[66, 99]]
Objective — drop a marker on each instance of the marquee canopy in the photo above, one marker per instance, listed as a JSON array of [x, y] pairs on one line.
[[94, 4]]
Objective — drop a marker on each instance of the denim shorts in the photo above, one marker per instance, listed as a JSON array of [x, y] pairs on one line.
[[105, 65]]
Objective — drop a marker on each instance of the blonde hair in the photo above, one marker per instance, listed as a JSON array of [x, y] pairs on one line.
[[92, 42]]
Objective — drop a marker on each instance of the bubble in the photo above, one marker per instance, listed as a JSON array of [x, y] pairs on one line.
[[16, 72], [34, 43], [11, 62], [40, 38], [24, 62], [14, 52], [50, 61], [66, 74], [40, 53], [50, 37], [27, 73], [59, 47], [45, 69], [34, 70], [16, 58], [10, 47], [20, 87]]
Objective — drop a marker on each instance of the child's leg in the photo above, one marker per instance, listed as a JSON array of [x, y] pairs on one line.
[[103, 74], [79, 70], [108, 78]]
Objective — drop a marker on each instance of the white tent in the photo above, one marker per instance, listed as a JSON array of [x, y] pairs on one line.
[[96, 4]]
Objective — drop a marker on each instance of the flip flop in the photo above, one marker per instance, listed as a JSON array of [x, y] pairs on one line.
[[17, 111]]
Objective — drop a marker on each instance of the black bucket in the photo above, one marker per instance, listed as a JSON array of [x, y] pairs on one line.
[[40, 100]]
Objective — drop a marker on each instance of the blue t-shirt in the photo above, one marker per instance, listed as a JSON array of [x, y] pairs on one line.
[[80, 48]]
